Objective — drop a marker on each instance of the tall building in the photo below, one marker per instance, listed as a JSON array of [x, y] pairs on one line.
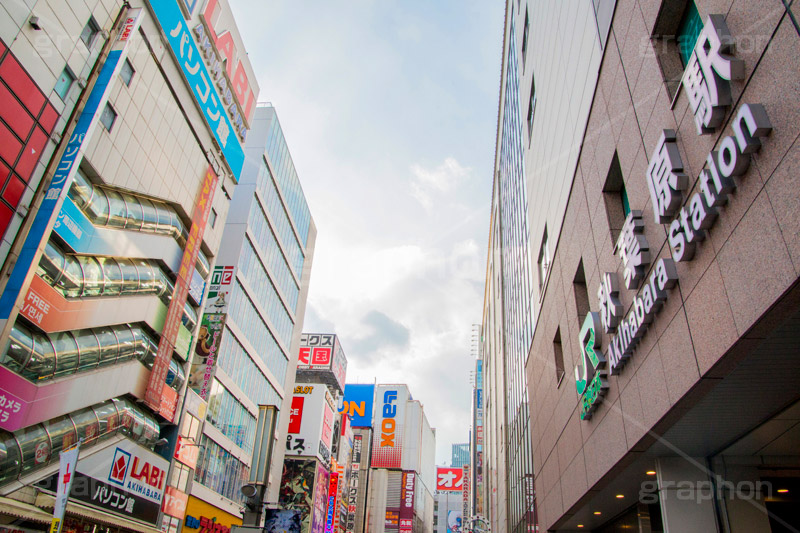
[[316, 466], [460, 455], [548, 80], [661, 369], [253, 319], [123, 129]]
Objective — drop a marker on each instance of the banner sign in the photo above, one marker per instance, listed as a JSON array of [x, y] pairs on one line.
[[449, 479], [202, 208], [66, 473], [175, 502], [407, 503], [190, 61], [209, 337], [333, 490], [465, 493], [321, 356], [352, 491], [68, 165], [310, 422], [357, 404], [387, 446], [127, 480]]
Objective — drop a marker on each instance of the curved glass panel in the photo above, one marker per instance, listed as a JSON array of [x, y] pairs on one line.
[[107, 207], [104, 276], [38, 356], [40, 444]]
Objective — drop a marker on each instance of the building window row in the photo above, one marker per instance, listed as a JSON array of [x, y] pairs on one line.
[[231, 417], [253, 327], [272, 202], [287, 179], [262, 289], [236, 362], [266, 240], [220, 471]]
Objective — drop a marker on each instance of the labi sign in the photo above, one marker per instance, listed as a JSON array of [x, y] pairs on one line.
[[707, 84]]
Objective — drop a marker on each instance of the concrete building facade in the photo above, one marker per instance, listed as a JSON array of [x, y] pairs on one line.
[[661, 374]]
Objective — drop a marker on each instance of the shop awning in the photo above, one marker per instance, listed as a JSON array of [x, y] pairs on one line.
[[24, 510], [48, 501]]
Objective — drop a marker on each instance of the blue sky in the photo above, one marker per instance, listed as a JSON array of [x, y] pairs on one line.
[[389, 109]]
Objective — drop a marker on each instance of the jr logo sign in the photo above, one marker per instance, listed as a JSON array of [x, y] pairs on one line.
[[590, 375]]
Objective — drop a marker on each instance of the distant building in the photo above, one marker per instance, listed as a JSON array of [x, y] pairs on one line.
[[461, 455]]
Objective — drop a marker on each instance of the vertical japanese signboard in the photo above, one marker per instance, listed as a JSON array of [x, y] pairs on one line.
[[66, 475], [465, 493], [352, 492], [200, 81], [158, 397]]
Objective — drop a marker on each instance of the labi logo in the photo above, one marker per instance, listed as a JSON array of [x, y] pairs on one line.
[[119, 466], [590, 375]]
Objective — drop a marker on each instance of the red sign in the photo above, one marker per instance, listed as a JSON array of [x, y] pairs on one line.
[[407, 502], [174, 503], [296, 414], [449, 479], [158, 376], [187, 452], [321, 356]]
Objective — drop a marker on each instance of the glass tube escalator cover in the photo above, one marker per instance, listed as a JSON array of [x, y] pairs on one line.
[[34, 447], [38, 357], [110, 208], [80, 276]]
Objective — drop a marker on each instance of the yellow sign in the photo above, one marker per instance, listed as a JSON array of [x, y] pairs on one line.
[[55, 526], [197, 510]]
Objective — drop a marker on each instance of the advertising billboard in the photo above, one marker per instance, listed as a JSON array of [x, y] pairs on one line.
[[320, 500], [454, 522], [154, 395], [297, 489], [282, 521], [126, 479], [390, 412], [197, 76], [449, 479], [407, 502], [357, 404], [310, 422], [322, 357], [352, 491]]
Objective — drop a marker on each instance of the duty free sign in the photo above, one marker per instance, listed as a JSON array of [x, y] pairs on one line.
[[707, 83]]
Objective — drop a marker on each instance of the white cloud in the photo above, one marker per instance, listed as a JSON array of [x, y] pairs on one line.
[[442, 179]]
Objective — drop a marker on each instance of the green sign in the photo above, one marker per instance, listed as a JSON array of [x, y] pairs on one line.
[[590, 375]]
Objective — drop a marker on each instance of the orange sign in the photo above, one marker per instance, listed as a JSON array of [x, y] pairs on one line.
[[158, 376]]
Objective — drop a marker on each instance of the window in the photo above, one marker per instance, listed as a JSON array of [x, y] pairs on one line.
[[64, 83], [127, 73], [688, 31], [108, 117], [543, 262], [531, 107], [615, 198], [581, 293], [212, 218], [558, 356], [89, 32], [675, 33], [525, 40]]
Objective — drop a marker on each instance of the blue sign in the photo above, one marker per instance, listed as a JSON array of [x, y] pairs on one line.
[[358, 401], [62, 180], [188, 56]]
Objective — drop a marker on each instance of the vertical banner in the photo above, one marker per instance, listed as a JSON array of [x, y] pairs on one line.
[[352, 492], [66, 474], [465, 511], [154, 396], [407, 502], [209, 337], [333, 490], [64, 173]]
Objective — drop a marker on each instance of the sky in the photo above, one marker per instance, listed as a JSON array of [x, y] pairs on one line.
[[389, 109]]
